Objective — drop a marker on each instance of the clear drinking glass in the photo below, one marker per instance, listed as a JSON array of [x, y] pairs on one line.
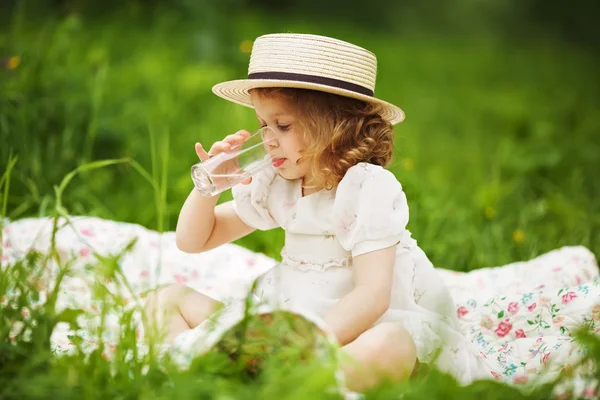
[[225, 170]]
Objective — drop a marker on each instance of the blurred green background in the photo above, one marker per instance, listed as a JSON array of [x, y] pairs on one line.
[[499, 154]]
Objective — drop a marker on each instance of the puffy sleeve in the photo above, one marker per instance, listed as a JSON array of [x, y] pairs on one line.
[[370, 211], [250, 202]]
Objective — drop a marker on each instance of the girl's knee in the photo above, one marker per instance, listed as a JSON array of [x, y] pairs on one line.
[[395, 349], [386, 352], [167, 297]]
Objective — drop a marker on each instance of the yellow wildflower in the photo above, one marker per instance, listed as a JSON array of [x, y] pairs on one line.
[[246, 46], [489, 212], [14, 62], [519, 236], [408, 164]]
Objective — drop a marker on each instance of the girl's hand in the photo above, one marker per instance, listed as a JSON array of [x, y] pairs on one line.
[[222, 146]]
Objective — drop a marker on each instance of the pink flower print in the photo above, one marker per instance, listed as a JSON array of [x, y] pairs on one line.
[[559, 320], [590, 392], [195, 274], [480, 282], [4, 258], [544, 300], [462, 311], [556, 269], [520, 379], [87, 232], [7, 245], [181, 279], [568, 297], [495, 375], [84, 252], [513, 308], [144, 274], [532, 306], [487, 322], [251, 262], [578, 279], [546, 357], [520, 333], [289, 205], [503, 328], [347, 223]]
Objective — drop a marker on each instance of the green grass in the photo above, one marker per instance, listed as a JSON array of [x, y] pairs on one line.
[[498, 157], [499, 137]]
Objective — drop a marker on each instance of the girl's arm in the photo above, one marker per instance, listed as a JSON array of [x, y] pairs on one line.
[[369, 300], [202, 225]]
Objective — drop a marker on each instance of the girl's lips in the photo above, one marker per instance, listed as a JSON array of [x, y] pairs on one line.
[[278, 161]]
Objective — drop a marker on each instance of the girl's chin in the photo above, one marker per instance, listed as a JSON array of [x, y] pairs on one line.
[[288, 174]]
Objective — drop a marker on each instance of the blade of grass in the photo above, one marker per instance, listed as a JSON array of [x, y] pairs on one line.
[[85, 167], [5, 183], [164, 180]]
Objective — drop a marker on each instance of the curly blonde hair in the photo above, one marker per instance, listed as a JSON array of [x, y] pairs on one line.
[[339, 132]]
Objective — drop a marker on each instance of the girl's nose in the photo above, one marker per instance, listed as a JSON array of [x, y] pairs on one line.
[[269, 138]]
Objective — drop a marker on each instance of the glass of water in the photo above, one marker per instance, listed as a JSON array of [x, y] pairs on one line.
[[225, 170]]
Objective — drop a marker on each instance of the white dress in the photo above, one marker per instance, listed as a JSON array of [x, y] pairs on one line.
[[366, 212]]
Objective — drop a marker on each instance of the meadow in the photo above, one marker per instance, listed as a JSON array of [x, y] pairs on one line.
[[498, 155]]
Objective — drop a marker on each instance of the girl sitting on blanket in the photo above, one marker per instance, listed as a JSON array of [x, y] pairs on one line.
[[348, 256]]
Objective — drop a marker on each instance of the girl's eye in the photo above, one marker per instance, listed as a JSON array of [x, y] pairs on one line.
[[283, 127]]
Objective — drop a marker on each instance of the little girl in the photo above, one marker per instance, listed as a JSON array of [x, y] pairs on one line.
[[348, 256]]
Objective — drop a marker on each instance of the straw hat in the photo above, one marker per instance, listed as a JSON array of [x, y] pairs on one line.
[[309, 62]]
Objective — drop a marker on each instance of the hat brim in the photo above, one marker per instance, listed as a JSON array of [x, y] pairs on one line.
[[237, 91]]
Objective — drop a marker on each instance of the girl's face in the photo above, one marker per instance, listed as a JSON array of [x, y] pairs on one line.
[[287, 143]]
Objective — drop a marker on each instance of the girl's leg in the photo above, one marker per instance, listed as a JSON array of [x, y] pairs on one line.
[[384, 352], [176, 308]]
